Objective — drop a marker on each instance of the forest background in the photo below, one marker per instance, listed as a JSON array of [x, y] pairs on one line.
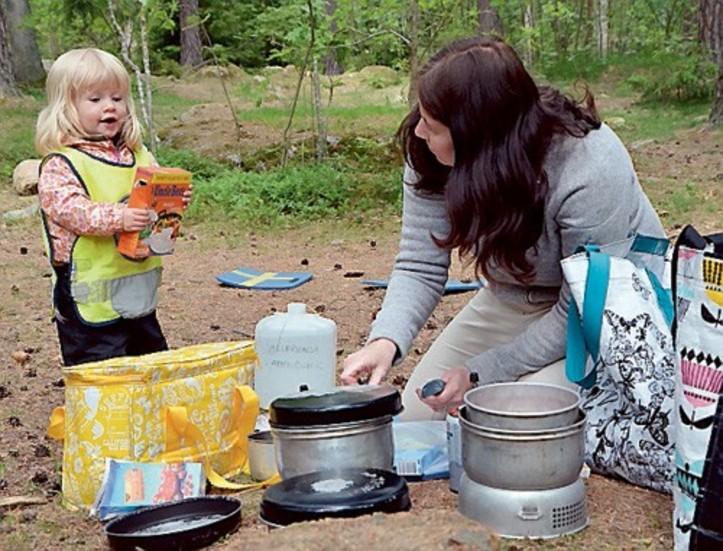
[[664, 52], [333, 36]]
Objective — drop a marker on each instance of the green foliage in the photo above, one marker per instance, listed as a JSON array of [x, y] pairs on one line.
[[17, 132], [361, 176], [381, 79], [255, 33], [253, 90], [579, 66], [286, 27], [676, 77], [366, 155], [651, 121], [14, 153], [164, 61], [679, 203], [203, 168], [648, 53], [236, 33], [286, 197], [61, 25], [691, 79]]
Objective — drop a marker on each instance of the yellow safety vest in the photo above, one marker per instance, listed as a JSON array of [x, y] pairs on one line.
[[105, 285]]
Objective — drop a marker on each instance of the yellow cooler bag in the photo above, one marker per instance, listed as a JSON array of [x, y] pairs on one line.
[[189, 404]]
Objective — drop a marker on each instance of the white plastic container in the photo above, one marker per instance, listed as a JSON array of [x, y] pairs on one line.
[[295, 349], [454, 451]]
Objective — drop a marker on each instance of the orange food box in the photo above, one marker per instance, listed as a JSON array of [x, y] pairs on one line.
[[160, 190]]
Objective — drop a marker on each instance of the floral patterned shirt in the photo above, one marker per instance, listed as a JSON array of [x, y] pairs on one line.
[[69, 210]]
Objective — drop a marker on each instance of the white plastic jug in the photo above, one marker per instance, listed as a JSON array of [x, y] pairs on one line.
[[295, 349]]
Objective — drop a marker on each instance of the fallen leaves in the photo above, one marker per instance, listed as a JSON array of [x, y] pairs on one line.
[[20, 356]]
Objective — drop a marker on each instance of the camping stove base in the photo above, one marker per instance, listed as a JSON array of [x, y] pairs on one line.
[[525, 514]]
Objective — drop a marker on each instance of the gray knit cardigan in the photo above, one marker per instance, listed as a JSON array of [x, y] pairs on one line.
[[594, 197]]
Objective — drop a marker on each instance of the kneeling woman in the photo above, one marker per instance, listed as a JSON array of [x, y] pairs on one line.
[[515, 176]]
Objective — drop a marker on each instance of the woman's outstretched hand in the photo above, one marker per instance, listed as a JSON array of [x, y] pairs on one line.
[[457, 383], [369, 364]]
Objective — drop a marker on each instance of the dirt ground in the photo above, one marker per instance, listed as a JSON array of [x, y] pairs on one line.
[[195, 309]]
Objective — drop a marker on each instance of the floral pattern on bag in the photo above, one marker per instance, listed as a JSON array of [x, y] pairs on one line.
[[698, 294], [629, 410], [117, 409], [630, 407]]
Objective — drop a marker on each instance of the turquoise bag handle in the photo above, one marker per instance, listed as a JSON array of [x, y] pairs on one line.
[[583, 334], [657, 246], [664, 297]]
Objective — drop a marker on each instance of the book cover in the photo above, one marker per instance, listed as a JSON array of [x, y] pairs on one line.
[[128, 485], [160, 190]]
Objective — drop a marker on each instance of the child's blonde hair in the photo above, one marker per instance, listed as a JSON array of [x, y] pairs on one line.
[[73, 73]]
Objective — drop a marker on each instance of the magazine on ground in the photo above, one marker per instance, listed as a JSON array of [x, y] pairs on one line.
[[420, 449], [128, 485]]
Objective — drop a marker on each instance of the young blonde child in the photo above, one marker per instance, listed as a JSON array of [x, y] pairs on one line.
[[90, 138]]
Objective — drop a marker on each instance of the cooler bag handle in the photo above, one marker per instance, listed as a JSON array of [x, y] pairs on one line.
[[56, 424], [245, 410]]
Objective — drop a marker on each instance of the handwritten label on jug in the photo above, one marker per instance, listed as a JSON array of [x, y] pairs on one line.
[[293, 349], [301, 357]]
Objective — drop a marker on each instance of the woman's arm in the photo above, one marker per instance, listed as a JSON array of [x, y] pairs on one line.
[[420, 270]]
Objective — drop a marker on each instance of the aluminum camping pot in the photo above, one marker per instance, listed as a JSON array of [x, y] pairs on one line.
[[261, 455], [349, 427], [522, 406], [522, 460]]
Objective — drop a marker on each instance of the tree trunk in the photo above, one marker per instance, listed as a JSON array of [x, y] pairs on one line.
[[710, 34], [318, 113], [588, 38], [190, 21], [602, 28], [126, 37], [528, 22], [413, 51], [8, 86], [27, 65], [331, 63], [489, 20]]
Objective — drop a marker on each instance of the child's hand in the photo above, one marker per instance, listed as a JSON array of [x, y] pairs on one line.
[[135, 219], [187, 196]]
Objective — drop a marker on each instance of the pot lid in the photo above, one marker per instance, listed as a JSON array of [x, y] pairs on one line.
[[334, 494], [341, 405], [190, 523]]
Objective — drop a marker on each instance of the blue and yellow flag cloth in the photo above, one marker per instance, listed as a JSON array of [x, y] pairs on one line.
[[250, 278]]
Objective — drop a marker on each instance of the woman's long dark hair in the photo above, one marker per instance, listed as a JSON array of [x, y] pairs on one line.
[[502, 125]]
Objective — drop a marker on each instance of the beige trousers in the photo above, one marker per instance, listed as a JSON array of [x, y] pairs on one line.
[[485, 322]]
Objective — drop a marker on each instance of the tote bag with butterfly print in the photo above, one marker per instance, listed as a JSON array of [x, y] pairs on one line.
[[698, 331], [620, 352]]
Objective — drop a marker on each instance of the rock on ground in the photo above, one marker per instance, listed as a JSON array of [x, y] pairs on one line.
[[26, 176]]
